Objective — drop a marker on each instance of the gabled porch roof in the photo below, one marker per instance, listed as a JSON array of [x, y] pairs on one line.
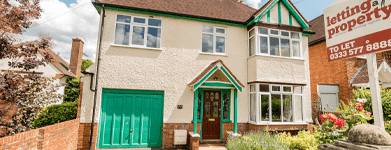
[[361, 78], [200, 80]]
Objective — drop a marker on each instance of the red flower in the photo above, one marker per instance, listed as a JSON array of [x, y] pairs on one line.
[[340, 123]]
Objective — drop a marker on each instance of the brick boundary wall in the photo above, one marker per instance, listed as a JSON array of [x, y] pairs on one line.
[[58, 136]]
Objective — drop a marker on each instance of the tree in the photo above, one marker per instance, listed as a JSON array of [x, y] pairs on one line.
[[85, 64], [19, 87], [72, 89]]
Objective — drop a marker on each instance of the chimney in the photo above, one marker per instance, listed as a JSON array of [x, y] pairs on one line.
[[241, 2], [76, 56]]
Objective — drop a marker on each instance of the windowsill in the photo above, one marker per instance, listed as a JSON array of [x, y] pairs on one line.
[[138, 47], [293, 58], [279, 123], [214, 54]]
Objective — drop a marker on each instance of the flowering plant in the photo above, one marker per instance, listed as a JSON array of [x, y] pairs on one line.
[[328, 130]]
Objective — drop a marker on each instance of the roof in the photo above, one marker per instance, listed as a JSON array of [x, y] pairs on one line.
[[209, 69], [362, 73], [59, 63], [317, 25], [221, 10]]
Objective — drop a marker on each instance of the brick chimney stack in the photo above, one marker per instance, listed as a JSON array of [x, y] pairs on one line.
[[76, 56]]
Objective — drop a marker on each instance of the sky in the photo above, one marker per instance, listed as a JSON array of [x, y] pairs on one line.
[[64, 20]]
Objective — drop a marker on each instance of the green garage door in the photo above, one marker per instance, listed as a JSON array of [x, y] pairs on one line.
[[131, 118]]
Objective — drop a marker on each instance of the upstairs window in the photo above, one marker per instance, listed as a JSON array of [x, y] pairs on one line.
[[274, 42], [137, 31], [213, 40]]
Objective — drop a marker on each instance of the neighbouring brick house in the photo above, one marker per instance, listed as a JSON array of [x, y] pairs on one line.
[[210, 67], [333, 82]]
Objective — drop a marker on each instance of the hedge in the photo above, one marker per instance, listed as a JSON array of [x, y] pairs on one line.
[[55, 114]]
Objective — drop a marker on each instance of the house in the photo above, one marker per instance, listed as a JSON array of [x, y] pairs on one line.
[[58, 67], [210, 67], [333, 82]]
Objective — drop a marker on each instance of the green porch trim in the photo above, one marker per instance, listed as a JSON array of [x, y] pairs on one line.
[[279, 12], [195, 112], [236, 111], [268, 16], [172, 16], [222, 85], [307, 34], [202, 110], [230, 78], [295, 15], [206, 77], [290, 18]]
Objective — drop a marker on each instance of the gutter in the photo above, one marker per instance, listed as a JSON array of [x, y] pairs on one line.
[[97, 73]]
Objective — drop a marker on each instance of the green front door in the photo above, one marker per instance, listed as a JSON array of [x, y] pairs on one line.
[[131, 118]]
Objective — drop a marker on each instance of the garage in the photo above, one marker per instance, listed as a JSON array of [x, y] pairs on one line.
[[131, 118]]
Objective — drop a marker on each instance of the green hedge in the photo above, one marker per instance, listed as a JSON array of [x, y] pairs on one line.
[[56, 113]]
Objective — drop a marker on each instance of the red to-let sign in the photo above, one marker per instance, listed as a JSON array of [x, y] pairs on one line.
[[374, 42], [357, 27]]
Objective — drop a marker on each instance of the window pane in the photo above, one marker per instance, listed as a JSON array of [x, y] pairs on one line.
[[207, 109], [139, 20], [138, 35], [274, 32], [276, 88], [297, 89], [263, 44], [207, 43], [251, 33], [287, 89], [122, 34], [283, 33], [153, 37], [252, 46], [252, 88], [274, 46], [263, 88], [207, 29], [288, 109], [276, 108], [265, 108], [295, 35], [121, 18], [296, 48], [226, 106], [154, 22], [220, 44], [215, 109], [298, 108], [222, 31], [253, 107], [199, 106], [285, 48], [262, 31]]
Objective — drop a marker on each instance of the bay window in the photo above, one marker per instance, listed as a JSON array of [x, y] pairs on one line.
[[272, 103], [137, 31], [274, 42], [213, 40]]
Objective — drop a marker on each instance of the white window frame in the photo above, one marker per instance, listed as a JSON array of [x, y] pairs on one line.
[[257, 43], [215, 34], [145, 25], [259, 95]]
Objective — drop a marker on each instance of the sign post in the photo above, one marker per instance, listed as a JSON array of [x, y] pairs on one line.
[[358, 27]]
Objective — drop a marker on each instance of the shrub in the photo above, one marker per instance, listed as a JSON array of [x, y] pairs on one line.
[[260, 140], [56, 113], [72, 89], [387, 126], [385, 98], [304, 140]]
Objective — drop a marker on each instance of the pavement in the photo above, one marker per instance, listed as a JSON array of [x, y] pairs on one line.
[[212, 146]]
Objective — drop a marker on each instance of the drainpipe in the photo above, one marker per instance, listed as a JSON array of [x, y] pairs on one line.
[[97, 74]]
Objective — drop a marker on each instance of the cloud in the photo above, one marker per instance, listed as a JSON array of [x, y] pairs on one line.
[[63, 23], [254, 3]]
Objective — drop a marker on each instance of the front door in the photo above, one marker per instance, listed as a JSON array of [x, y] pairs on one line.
[[211, 123]]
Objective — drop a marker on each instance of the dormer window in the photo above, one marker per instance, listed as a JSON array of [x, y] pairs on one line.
[[213, 40], [137, 31], [274, 42]]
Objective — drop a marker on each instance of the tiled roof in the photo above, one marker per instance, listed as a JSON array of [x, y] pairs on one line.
[[222, 10], [59, 63], [317, 25], [362, 74]]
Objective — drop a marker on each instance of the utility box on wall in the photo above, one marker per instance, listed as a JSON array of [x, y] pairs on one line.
[[180, 137]]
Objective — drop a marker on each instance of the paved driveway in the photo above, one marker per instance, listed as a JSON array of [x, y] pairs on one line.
[[212, 146]]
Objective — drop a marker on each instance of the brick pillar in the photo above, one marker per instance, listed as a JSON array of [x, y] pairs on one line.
[[76, 56], [194, 143]]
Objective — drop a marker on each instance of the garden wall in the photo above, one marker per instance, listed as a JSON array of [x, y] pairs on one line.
[[58, 136]]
